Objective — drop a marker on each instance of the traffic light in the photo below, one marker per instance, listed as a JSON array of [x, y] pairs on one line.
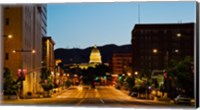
[[97, 78], [120, 77], [21, 74], [165, 74]]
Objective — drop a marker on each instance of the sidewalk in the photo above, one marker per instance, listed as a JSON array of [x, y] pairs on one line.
[[159, 100]]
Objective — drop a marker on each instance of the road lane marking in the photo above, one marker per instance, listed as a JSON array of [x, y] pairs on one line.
[[85, 96], [97, 93], [80, 102], [78, 95], [101, 101], [61, 97]]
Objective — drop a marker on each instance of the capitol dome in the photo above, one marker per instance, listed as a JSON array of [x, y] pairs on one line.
[[95, 56]]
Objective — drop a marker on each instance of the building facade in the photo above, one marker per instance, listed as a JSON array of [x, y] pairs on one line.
[[44, 19], [23, 52], [48, 53], [155, 45], [121, 63]]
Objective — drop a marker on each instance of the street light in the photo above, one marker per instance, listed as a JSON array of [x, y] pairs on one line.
[[166, 57], [178, 34], [8, 36], [32, 51], [136, 73], [22, 71], [176, 50], [129, 74], [155, 51]]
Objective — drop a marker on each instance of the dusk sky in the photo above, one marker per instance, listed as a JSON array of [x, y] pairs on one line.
[[82, 25]]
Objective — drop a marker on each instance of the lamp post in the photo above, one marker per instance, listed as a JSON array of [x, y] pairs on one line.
[[7, 36], [167, 59], [22, 72], [5, 49], [155, 51], [136, 73]]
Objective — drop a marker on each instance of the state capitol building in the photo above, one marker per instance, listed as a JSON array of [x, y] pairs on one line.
[[94, 59]]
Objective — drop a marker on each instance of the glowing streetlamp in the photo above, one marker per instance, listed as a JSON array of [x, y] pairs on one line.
[[176, 50], [7, 36], [155, 51], [21, 72], [178, 34], [129, 74], [32, 51], [136, 73]]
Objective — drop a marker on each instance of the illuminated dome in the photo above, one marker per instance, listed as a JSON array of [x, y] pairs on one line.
[[95, 56]]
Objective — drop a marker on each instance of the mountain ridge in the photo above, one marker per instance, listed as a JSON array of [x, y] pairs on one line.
[[76, 55]]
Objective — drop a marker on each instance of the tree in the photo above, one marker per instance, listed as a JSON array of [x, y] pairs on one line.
[[10, 86], [101, 69], [45, 74], [46, 81], [181, 76], [89, 75], [131, 82]]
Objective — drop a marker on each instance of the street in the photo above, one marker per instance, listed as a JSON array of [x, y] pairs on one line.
[[101, 96]]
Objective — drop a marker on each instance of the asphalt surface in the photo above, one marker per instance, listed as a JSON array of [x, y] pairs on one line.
[[101, 96]]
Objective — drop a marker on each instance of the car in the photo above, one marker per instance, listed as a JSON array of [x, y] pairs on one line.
[[134, 94], [182, 99]]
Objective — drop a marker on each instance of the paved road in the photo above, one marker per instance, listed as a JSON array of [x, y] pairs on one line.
[[103, 96]]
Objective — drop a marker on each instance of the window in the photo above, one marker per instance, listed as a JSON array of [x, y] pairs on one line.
[[7, 56], [7, 21]]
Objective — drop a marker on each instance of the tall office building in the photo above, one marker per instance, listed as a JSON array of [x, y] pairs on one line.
[[23, 52], [155, 45], [44, 19]]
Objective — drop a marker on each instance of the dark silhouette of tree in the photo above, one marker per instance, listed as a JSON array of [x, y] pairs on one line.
[[131, 82], [46, 82], [181, 76], [10, 86], [101, 70]]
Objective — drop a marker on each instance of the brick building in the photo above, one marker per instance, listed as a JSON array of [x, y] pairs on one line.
[[155, 45]]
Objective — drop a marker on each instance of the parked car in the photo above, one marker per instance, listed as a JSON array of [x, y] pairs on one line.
[[182, 99], [134, 94]]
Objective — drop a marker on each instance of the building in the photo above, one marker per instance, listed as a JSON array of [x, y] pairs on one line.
[[95, 56], [94, 59], [155, 45], [23, 52], [48, 53], [121, 63], [44, 19]]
